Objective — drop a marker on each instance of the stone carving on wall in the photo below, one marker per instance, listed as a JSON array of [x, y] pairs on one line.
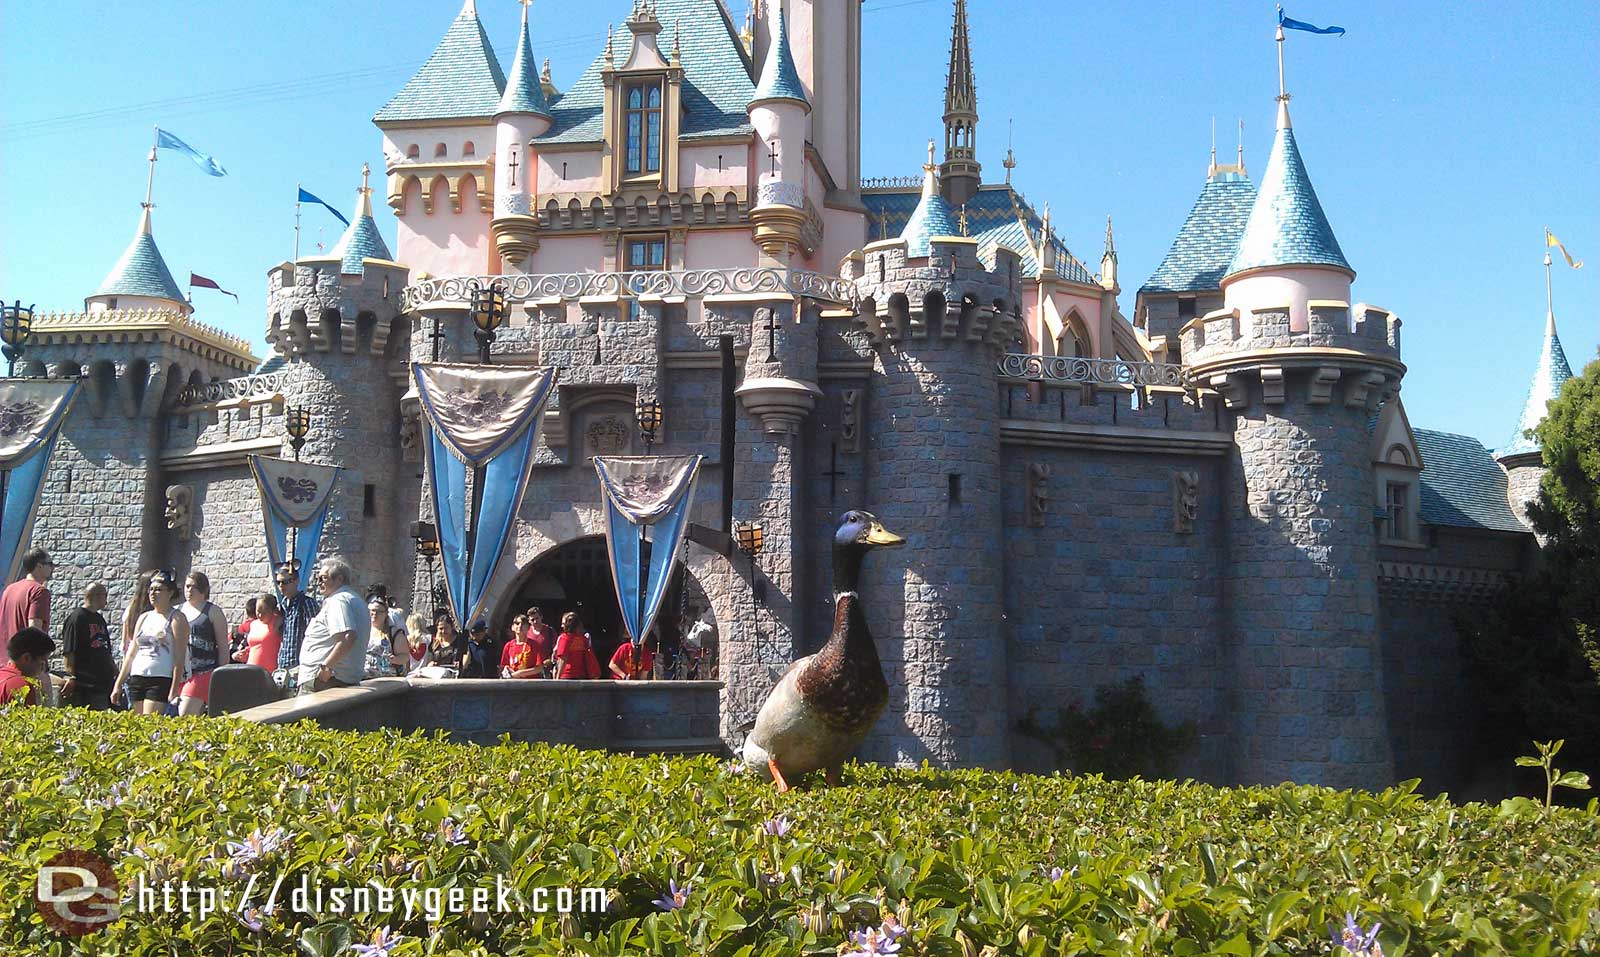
[[180, 511], [411, 436], [1185, 500], [1036, 475], [606, 435], [850, 420]]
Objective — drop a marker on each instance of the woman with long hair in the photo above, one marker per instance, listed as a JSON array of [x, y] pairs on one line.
[[138, 604], [266, 633], [418, 654], [208, 627], [153, 670]]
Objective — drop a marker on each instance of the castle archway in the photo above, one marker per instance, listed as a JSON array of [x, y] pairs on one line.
[[576, 576]]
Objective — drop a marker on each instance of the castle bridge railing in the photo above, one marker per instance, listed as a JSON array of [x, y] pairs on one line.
[[1072, 370], [250, 388], [685, 283]]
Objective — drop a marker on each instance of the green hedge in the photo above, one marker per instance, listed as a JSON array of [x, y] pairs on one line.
[[969, 861]]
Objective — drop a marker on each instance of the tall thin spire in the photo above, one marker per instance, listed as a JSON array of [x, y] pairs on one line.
[[524, 92], [1283, 90], [960, 172], [1549, 300], [1011, 159], [1548, 378]]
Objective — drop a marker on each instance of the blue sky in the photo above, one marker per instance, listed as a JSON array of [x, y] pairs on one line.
[[1441, 141]]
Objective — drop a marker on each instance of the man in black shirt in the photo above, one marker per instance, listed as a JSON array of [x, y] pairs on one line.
[[87, 649], [481, 657]]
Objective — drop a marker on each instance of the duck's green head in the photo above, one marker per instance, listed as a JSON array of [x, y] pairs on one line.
[[859, 529]]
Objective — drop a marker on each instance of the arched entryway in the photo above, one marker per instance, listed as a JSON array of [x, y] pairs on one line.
[[576, 576]]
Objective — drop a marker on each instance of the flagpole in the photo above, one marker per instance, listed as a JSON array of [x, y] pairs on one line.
[[296, 224], [1283, 93], [150, 180], [1549, 301]]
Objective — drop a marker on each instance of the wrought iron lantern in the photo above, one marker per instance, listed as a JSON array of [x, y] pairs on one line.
[[297, 422], [16, 324], [750, 536], [649, 415], [488, 315]]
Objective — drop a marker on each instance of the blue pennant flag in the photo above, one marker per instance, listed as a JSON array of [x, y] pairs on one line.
[[1289, 24], [166, 141], [306, 197]]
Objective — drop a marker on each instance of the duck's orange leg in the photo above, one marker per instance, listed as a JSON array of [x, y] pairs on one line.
[[777, 776], [833, 775]]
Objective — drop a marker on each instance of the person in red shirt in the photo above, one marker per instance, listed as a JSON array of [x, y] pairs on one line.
[[26, 602], [574, 652], [28, 652], [632, 663], [519, 658], [540, 635]]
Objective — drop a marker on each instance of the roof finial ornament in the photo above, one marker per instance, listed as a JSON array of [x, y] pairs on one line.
[[747, 36], [1212, 170], [677, 49], [1111, 245], [962, 219], [1283, 90], [1242, 171], [1011, 160], [609, 58]]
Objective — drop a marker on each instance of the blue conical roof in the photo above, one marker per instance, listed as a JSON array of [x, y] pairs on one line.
[[1287, 226], [931, 218], [141, 271], [461, 80], [361, 241], [1204, 248], [1548, 378], [780, 80], [524, 93]]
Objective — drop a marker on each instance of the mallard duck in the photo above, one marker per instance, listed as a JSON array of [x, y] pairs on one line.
[[825, 704]]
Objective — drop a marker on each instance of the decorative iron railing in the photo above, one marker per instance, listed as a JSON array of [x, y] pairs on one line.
[[892, 182], [689, 283], [1092, 371], [244, 387]]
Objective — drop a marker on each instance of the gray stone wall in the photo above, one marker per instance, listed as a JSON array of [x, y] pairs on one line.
[[1302, 591], [1107, 589], [1523, 476], [227, 541], [1426, 694]]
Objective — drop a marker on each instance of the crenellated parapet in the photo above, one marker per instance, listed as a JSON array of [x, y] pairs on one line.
[[313, 307], [122, 327], [949, 296], [1341, 354]]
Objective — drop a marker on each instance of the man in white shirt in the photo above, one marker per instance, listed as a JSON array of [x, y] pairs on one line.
[[332, 655]]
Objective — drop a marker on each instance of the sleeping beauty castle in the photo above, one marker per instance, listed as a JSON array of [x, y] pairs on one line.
[[1210, 483]]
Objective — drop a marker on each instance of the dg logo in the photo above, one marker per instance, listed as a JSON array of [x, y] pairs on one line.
[[77, 893]]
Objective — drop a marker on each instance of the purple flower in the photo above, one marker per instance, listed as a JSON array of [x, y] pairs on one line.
[[452, 832], [102, 747], [299, 770], [776, 827], [381, 944], [1354, 940], [836, 873], [253, 919], [204, 747], [892, 928], [256, 846], [871, 942], [676, 898]]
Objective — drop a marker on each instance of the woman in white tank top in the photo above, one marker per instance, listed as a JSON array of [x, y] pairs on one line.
[[152, 670]]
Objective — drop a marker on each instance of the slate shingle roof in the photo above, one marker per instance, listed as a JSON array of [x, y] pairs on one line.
[[1462, 485], [716, 78], [1287, 226], [780, 80], [360, 242], [461, 80], [141, 271], [931, 218], [1548, 378], [1204, 247], [992, 219], [524, 93]]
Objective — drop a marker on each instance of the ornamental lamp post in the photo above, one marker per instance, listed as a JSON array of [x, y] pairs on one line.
[[16, 324], [750, 537], [427, 539], [647, 412], [488, 314], [297, 422]]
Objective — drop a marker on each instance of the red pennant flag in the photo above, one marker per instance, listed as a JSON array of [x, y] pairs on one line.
[[195, 279]]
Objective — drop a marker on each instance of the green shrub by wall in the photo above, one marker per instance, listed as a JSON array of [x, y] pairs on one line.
[[968, 860]]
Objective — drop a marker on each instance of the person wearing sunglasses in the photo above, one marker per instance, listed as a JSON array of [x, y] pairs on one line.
[[26, 602], [153, 671], [298, 610]]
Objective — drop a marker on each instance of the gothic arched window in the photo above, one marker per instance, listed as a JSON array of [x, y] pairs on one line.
[[642, 127]]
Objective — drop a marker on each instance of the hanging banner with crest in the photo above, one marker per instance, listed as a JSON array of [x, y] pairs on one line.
[[487, 419], [293, 495], [31, 413], [655, 491]]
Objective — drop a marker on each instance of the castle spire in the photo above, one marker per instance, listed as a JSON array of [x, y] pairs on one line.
[[931, 217], [524, 92], [361, 241], [140, 277], [780, 78], [1551, 374], [960, 173]]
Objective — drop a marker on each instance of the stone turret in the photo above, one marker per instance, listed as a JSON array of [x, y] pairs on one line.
[[1523, 457], [337, 319], [523, 114], [1300, 371], [780, 113], [939, 320]]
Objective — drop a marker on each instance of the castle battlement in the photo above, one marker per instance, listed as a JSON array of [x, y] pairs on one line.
[[313, 304], [948, 295], [135, 326]]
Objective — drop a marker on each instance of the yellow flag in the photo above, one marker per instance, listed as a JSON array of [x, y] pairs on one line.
[[1551, 240]]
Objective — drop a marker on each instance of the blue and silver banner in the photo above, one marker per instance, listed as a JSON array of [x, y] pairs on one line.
[[31, 413], [293, 495], [657, 491], [484, 417]]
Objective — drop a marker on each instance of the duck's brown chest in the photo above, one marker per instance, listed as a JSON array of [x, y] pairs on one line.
[[844, 681]]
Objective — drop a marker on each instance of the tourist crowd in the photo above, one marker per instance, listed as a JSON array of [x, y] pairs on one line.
[[173, 637]]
